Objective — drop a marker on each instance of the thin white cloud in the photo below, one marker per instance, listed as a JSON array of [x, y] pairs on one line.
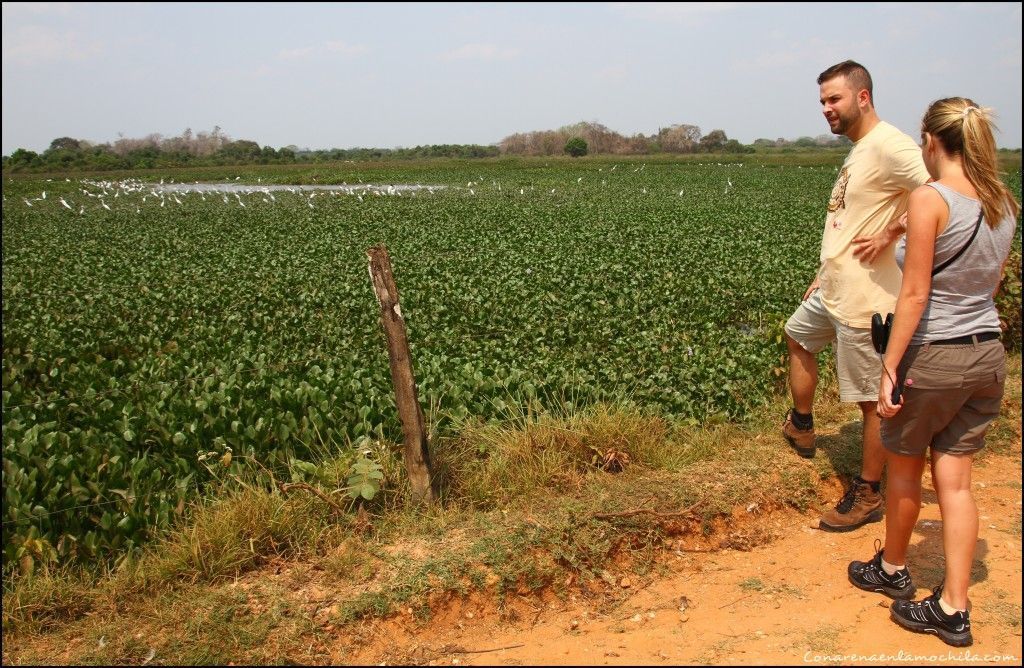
[[815, 50], [330, 46], [334, 46], [33, 44], [681, 12], [613, 73], [480, 52], [1010, 54], [34, 9], [301, 52]]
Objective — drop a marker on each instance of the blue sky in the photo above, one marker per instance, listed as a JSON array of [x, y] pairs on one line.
[[387, 75]]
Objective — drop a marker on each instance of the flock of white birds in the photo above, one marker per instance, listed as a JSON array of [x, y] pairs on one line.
[[99, 194]]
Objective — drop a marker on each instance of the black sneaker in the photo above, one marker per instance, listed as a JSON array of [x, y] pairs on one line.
[[870, 576], [927, 617]]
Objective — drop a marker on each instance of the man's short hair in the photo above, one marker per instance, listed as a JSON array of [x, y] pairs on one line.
[[854, 72]]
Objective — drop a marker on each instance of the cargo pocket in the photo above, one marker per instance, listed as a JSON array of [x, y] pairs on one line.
[[987, 368], [927, 378]]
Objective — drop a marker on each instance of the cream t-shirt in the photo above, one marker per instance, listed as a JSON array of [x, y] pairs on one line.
[[872, 189]]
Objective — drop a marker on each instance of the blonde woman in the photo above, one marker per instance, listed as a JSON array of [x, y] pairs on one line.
[[945, 346]]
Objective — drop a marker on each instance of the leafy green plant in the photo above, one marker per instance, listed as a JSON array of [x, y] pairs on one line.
[[143, 328], [365, 479], [576, 147]]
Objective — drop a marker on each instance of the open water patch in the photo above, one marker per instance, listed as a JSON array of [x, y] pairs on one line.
[[384, 188]]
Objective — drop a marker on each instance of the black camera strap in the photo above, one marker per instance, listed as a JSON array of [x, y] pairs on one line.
[[961, 251]]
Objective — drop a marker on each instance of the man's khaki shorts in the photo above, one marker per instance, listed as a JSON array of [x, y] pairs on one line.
[[955, 395], [859, 366]]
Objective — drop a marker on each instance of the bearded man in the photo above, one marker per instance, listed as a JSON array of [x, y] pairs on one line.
[[858, 276]]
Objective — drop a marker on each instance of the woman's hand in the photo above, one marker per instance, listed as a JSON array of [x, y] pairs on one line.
[[886, 408]]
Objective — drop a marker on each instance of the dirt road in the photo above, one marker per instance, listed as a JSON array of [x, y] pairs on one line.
[[785, 602]]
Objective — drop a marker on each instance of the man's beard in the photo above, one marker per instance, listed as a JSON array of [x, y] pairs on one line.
[[846, 122]]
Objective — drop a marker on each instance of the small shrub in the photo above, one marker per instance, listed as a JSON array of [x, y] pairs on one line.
[[576, 147]]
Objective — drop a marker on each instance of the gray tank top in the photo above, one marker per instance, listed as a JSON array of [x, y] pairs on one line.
[[961, 300]]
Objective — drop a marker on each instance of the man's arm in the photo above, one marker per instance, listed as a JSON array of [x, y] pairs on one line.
[[906, 171], [867, 249], [813, 286]]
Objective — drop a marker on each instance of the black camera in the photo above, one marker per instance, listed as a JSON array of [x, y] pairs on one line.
[[880, 340], [880, 332]]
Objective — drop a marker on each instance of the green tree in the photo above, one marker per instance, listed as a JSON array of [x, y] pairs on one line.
[[65, 144], [576, 147], [713, 141], [733, 146], [24, 158]]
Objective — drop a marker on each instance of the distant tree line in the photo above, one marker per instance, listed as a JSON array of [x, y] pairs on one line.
[[680, 138], [216, 148], [208, 148]]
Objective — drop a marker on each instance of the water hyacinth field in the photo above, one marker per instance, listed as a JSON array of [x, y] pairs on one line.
[[150, 330]]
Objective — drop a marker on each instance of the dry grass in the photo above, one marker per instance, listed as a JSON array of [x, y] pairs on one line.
[[519, 515]]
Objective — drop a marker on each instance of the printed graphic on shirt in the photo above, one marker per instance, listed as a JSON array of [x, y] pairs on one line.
[[838, 199]]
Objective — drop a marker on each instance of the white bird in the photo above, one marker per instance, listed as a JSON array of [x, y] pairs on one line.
[[579, 180], [105, 205], [680, 192], [552, 191], [471, 192], [44, 194], [360, 197], [65, 204], [521, 192]]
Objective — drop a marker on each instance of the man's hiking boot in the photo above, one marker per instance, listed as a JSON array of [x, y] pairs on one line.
[[860, 505], [802, 440], [926, 616], [870, 576]]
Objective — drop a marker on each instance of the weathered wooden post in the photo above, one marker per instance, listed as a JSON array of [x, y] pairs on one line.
[[417, 457]]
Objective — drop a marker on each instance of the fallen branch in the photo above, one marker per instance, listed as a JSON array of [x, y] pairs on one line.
[[686, 512], [735, 602], [480, 651], [286, 487]]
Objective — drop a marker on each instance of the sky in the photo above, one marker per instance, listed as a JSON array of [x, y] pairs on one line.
[[388, 75]]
